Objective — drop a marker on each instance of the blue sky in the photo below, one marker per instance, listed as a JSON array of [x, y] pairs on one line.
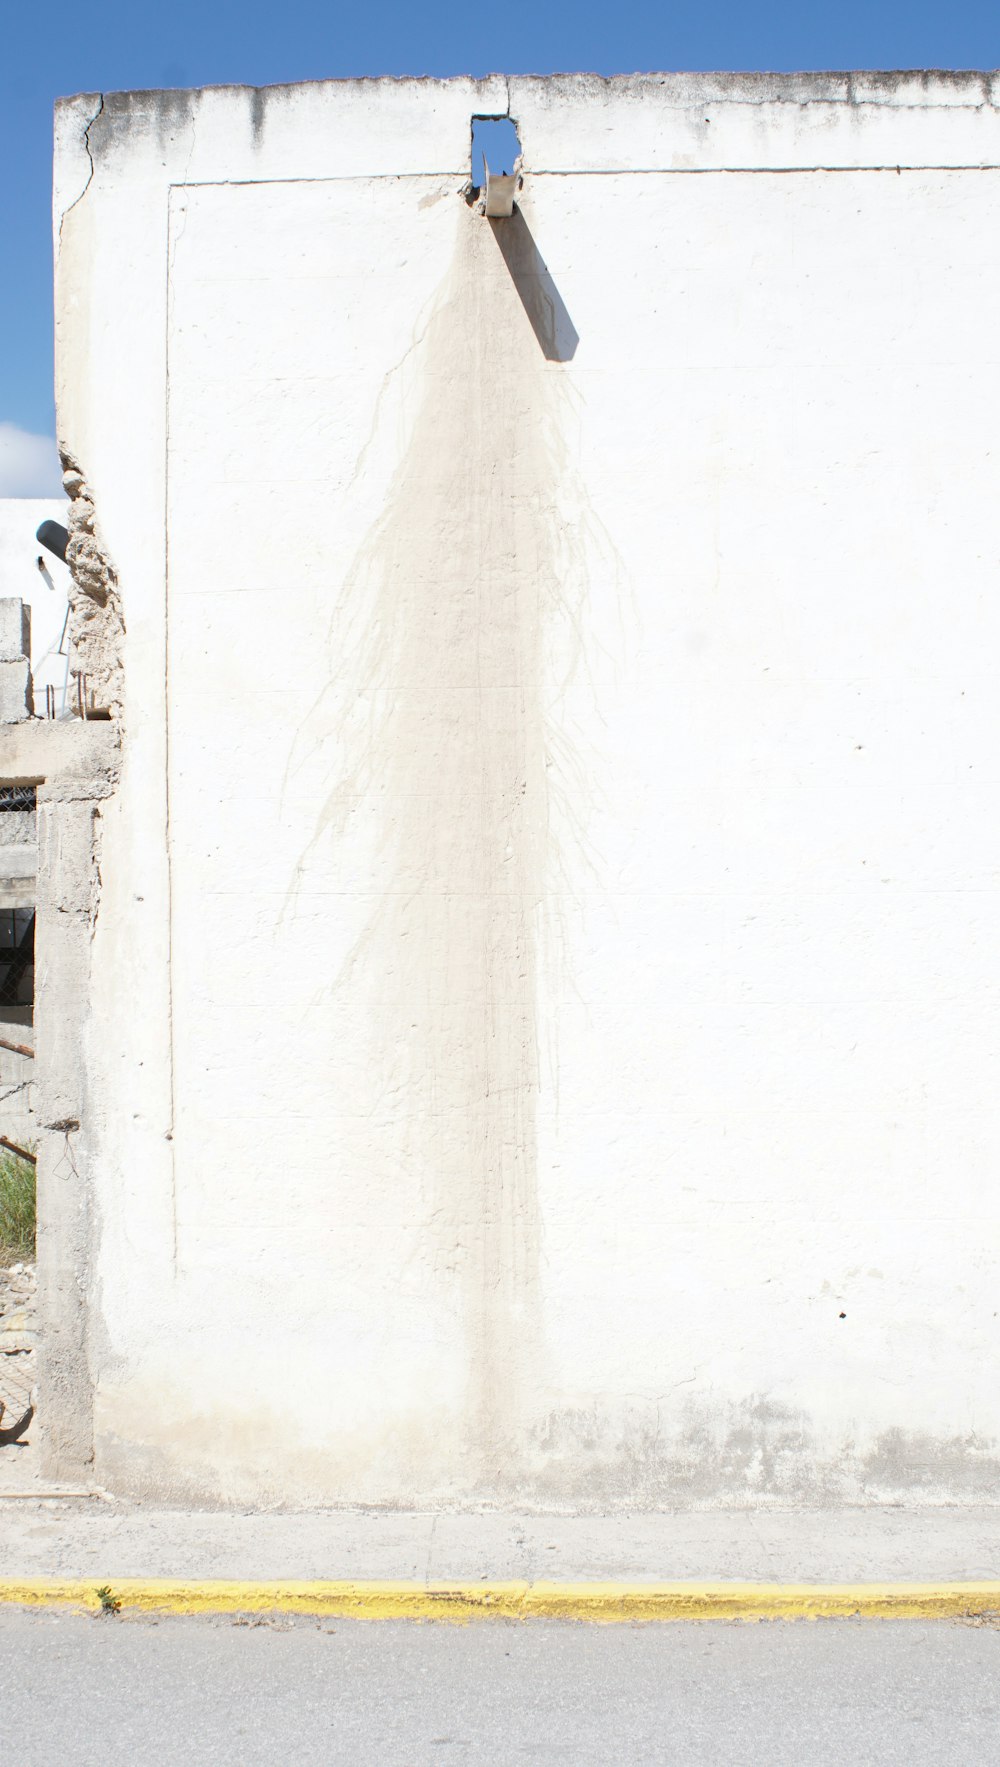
[[57, 48]]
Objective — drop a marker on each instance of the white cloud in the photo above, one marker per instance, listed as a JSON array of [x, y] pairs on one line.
[[29, 465]]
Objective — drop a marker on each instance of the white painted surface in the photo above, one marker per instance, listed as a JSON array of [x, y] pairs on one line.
[[624, 901], [44, 591]]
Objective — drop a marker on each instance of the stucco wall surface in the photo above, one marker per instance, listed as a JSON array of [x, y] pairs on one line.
[[561, 736]]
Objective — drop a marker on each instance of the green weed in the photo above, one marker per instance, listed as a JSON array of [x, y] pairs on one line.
[[17, 1209]]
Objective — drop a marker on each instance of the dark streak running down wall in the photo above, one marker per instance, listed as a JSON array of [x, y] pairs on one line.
[[441, 626]]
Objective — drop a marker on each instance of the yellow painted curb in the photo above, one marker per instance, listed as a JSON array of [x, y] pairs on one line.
[[460, 1602]]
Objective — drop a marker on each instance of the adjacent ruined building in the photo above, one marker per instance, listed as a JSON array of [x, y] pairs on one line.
[[517, 974]]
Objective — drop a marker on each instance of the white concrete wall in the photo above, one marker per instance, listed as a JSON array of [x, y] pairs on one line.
[[561, 732], [44, 591]]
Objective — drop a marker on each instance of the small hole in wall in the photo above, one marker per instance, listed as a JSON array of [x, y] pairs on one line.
[[497, 138]]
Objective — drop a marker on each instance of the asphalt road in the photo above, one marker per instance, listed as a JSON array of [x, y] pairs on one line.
[[83, 1692]]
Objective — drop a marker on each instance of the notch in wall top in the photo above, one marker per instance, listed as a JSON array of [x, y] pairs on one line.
[[496, 164]]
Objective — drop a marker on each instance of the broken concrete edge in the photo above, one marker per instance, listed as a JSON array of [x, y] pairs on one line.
[[459, 1602], [96, 621]]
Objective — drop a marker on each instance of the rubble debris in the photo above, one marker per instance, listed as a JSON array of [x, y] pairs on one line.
[[96, 624]]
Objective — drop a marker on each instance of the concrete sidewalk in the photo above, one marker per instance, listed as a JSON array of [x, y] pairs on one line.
[[69, 1537]]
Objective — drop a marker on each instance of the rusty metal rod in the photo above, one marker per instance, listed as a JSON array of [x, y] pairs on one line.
[[17, 1048], [22, 1152]]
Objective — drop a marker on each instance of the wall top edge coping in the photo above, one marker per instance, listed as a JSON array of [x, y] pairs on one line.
[[851, 86], [577, 123]]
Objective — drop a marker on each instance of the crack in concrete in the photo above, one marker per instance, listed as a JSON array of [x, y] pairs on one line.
[[90, 156]]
